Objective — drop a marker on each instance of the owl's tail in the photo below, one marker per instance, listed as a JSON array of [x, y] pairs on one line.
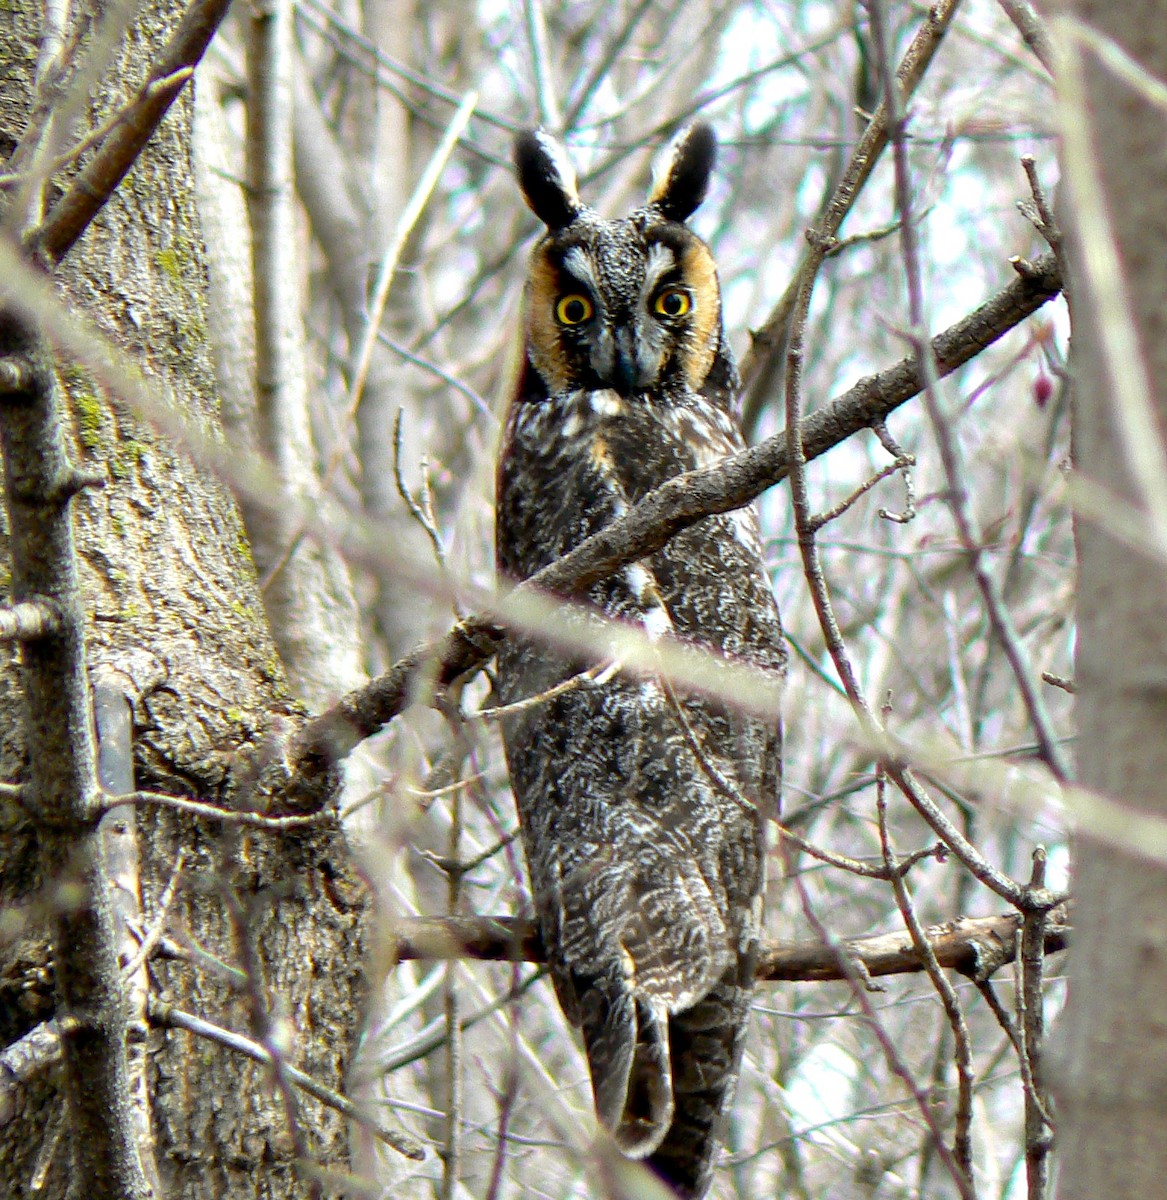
[[628, 1052], [705, 1049], [663, 1081]]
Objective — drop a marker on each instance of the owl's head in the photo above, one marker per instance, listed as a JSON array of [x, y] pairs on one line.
[[633, 304]]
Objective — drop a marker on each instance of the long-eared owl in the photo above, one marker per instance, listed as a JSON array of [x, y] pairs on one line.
[[641, 804]]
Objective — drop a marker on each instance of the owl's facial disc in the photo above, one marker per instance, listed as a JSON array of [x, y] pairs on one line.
[[629, 305]]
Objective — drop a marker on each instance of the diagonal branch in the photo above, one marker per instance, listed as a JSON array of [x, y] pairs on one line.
[[681, 502], [88, 193]]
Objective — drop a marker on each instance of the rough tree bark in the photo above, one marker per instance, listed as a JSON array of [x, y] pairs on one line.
[[175, 621], [1111, 1064]]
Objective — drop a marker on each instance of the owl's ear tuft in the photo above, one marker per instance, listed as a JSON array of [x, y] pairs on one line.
[[547, 178], [681, 176]]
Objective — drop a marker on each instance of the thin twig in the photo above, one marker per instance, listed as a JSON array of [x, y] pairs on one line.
[[450, 866], [837, 510], [157, 929], [973, 860], [585, 679], [856, 866], [480, 405], [1059, 681], [904, 462], [421, 510], [989, 992], [166, 1015], [433, 1037], [1042, 214], [506, 1104], [961, 1139], [1028, 974], [198, 808]]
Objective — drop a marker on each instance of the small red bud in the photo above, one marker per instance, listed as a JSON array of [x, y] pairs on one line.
[[1043, 389]]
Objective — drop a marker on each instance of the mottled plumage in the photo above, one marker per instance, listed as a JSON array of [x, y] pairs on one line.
[[641, 811]]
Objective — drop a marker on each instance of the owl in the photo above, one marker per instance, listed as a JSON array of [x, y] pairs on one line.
[[641, 804]]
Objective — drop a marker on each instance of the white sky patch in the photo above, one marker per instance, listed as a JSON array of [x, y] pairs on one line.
[[821, 1090], [1057, 868], [752, 39]]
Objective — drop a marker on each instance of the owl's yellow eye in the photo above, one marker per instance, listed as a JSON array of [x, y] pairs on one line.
[[673, 303], [574, 309]]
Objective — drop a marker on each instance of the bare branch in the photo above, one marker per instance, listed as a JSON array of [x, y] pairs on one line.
[[229, 816], [168, 1016], [131, 110], [956, 497], [974, 946], [1033, 32], [27, 1058], [854, 971], [962, 1137], [1029, 972], [28, 621], [62, 779], [71, 215], [550, 114], [113, 725], [411, 214]]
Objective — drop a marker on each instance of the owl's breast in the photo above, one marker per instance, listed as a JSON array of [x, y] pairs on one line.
[[574, 462], [556, 481]]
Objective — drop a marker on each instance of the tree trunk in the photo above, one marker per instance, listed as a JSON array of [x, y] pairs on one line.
[[1112, 1056], [175, 622]]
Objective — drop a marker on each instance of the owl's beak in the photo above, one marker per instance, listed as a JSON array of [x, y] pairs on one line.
[[628, 373], [624, 367]]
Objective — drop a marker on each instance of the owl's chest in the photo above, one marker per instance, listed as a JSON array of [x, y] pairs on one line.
[[575, 462]]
